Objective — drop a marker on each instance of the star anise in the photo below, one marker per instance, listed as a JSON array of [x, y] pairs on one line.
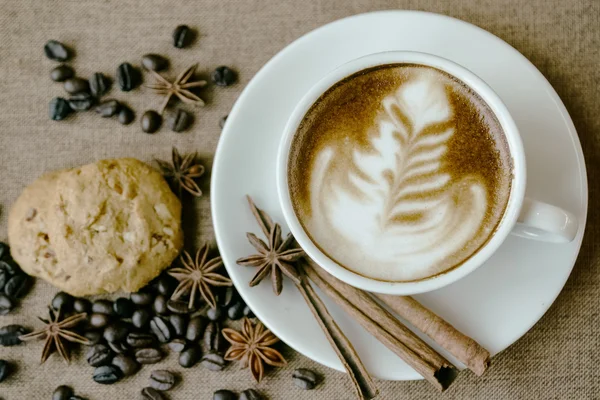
[[178, 88], [56, 332], [252, 346], [198, 276], [182, 171], [276, 256]]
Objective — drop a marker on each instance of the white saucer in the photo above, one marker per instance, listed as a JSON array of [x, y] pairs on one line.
[[497, 303]]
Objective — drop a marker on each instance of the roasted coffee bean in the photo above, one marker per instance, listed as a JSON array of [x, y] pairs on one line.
[[108, 108], [162, 380], [94, 337], [99, 84], [195, 329], [305, 378], [228, 296], [224, 76], [214, 314], [236, 310], [213, 339], [62, 393], [56, 51], [248, 312], [11, 267], [139, 340], [107, 374], [161, 329], [179, 120], [251, 394], [6, 304], [98, 355], [177, 345], [154, 62], [224, 395], [61, 73], [76, 85], [102, 307], [81, 101], [150, 393], [123, 307], [126, 115], [213, 362], [222, 121], [127, 365], [128, 77], [190, 356], [62, 301], [17, 286], [82, 305], [148, 355], [3, 279], [183, 36], [9, 334], [118, 347], [77, 398], [140, 318], [142, 298], [4, 250], [160, 305], [98, 320], [5, 369], [179, 324], [59, 109], [166, 285], [178, 306], [151, 121]]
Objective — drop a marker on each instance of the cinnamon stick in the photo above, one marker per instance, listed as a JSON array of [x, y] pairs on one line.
[[465, 349], [385, 327]]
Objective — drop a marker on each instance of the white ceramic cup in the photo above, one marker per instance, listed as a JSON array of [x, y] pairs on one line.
[[523, 216]]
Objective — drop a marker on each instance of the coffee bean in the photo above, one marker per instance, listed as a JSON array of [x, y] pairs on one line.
[[148, 355], [61, 73], [9, 334], [142, 298], [107, 374], [81, 101], [128, 77], [76, 85], [108, 108], [161, 329], [11, 267], [6, 304], [126, 115], [213, 362], [139, 340], [56, 51], [77, 398], [62, 301], [62, 393], [178, 306], [182, 36], [140, 318], [4, 250], [305, 378], [222, 121], [115, 332], [151, 121], [214, 314], [98, 320], [179, 324], [180, 120], [160, 305], [94, 337], [59, 109], [228, 296], [165, 285], [127, 365], [123, 307], [162, 380], [151, 394], [82, 305], [213, 339], [177, 345], [190, 356], [251, 394], [118, 347], [99, 84], [236, 310], [5, 369], [195, 329], [17, 286], [3, 279], [98, 355], [154, 62], [224, 395], [248, 312], [224, 76], [102, 307]]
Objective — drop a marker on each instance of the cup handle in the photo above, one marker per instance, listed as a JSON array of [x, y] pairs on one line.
[[545, 222]]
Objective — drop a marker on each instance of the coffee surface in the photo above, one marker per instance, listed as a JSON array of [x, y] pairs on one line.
[[399, 172]]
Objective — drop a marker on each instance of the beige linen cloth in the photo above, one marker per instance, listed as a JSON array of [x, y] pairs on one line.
[[557, 359]]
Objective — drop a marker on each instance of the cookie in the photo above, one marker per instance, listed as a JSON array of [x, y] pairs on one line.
[[103, 227]]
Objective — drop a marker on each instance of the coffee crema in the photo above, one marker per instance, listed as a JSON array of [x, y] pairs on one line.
[[399, 172]]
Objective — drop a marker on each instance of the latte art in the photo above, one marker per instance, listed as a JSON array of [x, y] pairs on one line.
[[408, 174]]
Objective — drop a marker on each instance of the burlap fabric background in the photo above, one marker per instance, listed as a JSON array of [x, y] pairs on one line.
[[557, 359]]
